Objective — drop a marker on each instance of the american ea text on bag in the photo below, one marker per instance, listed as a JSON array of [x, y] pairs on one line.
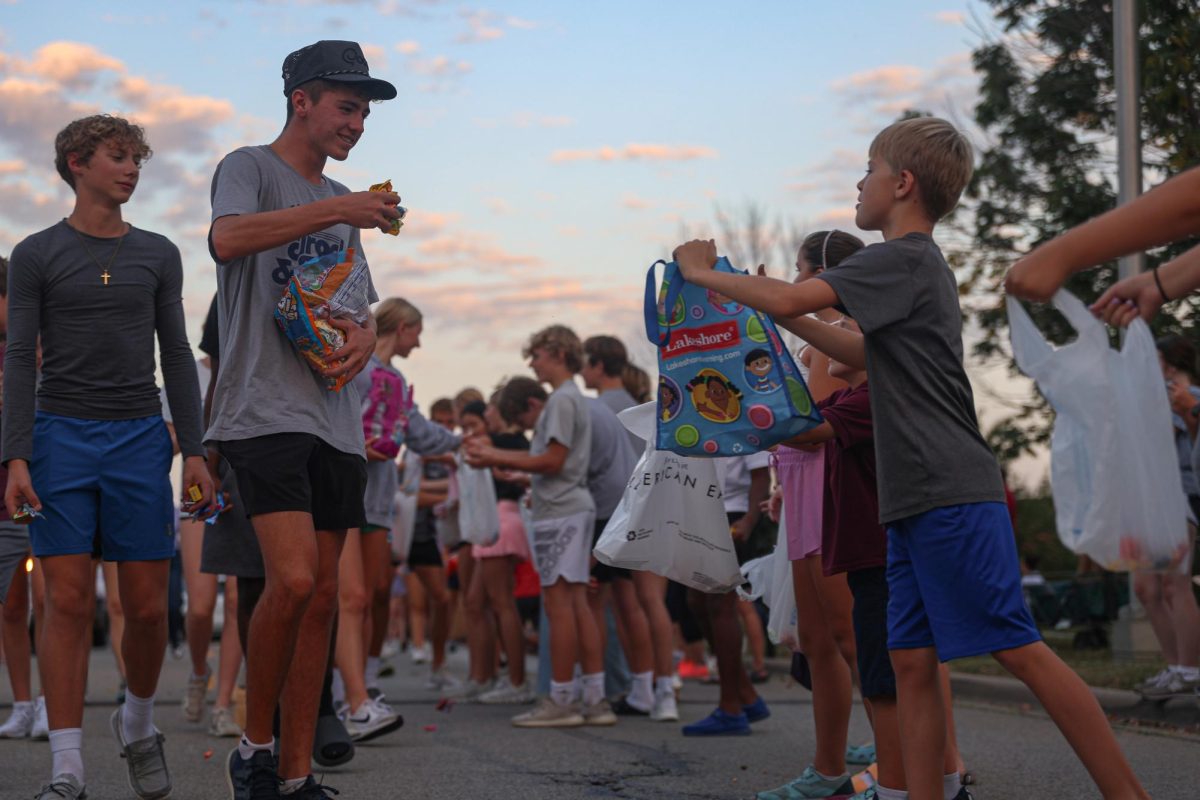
[[673, 469]]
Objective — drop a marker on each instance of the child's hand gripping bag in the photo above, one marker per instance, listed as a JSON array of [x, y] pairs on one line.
[[726, 386], [333, 286]]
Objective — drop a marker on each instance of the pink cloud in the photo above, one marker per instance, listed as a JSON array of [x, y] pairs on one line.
[[950, 17], [892, 79], [637, 152], [408, 47], [72, 63], [634, 202], [480, 28]]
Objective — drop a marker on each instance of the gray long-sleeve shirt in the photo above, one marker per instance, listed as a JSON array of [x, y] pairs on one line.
[[97, 339]]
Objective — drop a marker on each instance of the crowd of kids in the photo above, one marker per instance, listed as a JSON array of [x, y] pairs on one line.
[[354, 518]]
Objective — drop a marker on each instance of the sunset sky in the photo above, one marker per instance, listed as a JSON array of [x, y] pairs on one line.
[[548, 152]]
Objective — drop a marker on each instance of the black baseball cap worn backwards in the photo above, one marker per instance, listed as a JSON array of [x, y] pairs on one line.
[[333, 60]]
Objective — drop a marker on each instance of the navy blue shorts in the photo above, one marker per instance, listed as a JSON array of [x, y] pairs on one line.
[[870, 590], [103, 479], [954, 583]]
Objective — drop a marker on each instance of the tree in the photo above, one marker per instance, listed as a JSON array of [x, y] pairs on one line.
[[1047, 111]]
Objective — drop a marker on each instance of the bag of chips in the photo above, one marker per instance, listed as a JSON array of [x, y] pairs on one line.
[[333, 286], [397, 224]]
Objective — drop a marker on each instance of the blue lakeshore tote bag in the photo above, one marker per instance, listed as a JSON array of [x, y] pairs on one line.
[[726, 386]]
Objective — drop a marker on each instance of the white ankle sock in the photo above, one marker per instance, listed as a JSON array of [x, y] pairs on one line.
[[561, 693], [641, 691], [884, 793], [576, 687], [951, 785], [137, 717], [23, 705], [247, 748], [663, 685], [372, 670], [593, 688], [338, 687], [66, 748]]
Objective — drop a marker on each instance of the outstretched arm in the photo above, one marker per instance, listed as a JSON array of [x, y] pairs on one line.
[[1166, 213], [1139, 295], [768, 295], [840, 344]]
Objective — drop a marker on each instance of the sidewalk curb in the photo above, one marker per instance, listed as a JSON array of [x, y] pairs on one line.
[[1118, 703]]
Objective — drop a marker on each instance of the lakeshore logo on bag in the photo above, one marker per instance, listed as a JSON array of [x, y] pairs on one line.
[[710, 337], [726, 384]]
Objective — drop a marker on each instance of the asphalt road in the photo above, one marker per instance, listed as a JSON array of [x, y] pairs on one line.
[[472, 751]]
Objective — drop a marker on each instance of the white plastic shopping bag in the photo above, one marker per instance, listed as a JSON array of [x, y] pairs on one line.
[[478, 519], [671, 520], [1114, 471], [405, 505], [770, 578]]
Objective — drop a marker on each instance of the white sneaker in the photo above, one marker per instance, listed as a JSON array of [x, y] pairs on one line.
[[370, 722], [222, 723], [20, 723], [441, 680], [1175, 685], [676, 681], [422, 654], [391, 649], [665, 708], [41, 723], [195, 695], [1155, 680], [549, 714], [504, 693], [473, 689]]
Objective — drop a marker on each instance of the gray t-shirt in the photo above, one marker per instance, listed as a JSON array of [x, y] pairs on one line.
[[422, 437], [565, 420], [97, 339], [619, 400], [929, 452], [612, 458], [265, 386]]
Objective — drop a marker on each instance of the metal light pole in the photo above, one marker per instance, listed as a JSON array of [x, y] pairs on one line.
[[1127, 81], [1129, 631]]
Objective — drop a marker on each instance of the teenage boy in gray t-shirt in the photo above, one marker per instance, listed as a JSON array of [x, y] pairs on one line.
[[295, 447], [563, 516], [954, 586], [88, 439]]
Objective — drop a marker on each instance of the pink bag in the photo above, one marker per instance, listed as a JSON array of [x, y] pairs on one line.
[[385, 420], [802, 478]]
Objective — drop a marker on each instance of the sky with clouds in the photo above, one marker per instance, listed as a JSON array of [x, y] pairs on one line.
[[548, 152]]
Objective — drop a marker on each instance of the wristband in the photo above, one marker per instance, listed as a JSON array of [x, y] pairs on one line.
[[1158, 283]]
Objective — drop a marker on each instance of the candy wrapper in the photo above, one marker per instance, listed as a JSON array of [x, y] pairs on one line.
[[386, 186], [333, 286]]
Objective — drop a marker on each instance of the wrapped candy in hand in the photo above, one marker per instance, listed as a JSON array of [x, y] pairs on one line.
[[334, 286], [386, 186]]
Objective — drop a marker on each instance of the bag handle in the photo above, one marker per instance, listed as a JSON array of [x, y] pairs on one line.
[[657, 334]]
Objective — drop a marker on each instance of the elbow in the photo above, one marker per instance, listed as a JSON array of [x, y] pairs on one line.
[[222, 242]]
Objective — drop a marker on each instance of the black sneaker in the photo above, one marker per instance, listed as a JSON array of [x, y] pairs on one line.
[[622, 708], [255, 778], [963, 794], [311, 790]]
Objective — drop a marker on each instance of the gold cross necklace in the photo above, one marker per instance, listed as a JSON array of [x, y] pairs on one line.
[[104, 274]]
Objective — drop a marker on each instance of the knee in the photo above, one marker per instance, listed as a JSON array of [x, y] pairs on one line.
[[914, 666], [16, 611], [200, 608], [352, 600], [295, 587], [73, 603], [147, 614], [1148, 590]]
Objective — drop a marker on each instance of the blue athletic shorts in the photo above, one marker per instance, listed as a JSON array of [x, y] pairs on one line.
[[954, 583], [103, 479]]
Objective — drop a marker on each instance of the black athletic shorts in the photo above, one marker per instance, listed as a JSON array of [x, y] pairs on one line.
[[425, 553], [603, 572], [870, 590], [299, 472]]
